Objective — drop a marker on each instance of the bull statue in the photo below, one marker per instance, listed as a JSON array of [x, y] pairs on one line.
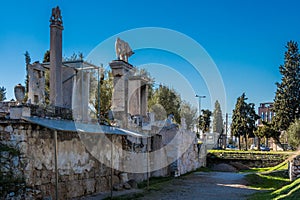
[[123, 50]]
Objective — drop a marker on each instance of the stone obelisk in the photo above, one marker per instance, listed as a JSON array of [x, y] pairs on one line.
[[56, 28]]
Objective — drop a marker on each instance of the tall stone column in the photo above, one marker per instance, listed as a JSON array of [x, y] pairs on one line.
[[56, 28], [121, 71]]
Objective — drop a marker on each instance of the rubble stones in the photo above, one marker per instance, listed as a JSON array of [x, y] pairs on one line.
[[294, 168]]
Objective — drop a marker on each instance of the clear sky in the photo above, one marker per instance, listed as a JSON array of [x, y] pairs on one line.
[[245, 38]]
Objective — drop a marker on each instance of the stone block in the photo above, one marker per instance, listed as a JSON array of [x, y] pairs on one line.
[[8, 129], [90, 186], [19, 111], [126, 186], [132, 183], [123, 177], [91, 173], [74, 189], [102, 184], [62, 190], [115, 180], [118, 187]]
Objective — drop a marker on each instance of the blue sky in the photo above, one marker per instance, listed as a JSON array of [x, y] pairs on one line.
[[245, 39]]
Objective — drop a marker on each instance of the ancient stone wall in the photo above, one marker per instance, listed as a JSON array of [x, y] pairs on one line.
[[294, 168], [32, 163], [28, 158]]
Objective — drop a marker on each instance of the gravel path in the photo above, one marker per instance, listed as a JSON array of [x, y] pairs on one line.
[[203, 185]]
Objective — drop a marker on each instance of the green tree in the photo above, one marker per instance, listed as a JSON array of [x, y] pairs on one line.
[[294, 133], [188, 112], [287, 99], [243, 120], [252, 117], [238, 125], [27, 62], [266, 131], [159, 112], [218, 119], [106, 90], [47, 77], [75, 56], [2, 93], [46, 56], [204, 120], [169, 99]]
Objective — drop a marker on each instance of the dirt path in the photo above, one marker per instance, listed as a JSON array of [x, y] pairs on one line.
[[198, 185], [203, 185]]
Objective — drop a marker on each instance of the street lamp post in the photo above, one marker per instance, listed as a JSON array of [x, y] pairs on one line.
[[199, 98]]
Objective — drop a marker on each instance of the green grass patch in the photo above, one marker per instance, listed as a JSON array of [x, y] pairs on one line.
[[266, 182], [126, 197], [252, 151], [290, 191], [280, 167], [249, 155], [275, 181], [154, 183]]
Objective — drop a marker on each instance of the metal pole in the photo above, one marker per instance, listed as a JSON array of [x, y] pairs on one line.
[[55, 161], [111, 167], [148, 173], [99, 94], [199, 98], [226, 127], [82, 97]]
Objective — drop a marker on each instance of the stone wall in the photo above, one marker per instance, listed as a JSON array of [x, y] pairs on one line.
[[248, 158], [79, 172], [192, 159], [188, 157], [27, 156], [294, 168]]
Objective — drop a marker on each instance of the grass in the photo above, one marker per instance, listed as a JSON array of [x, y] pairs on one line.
[[154, 183], [251, 151], [273, 182], [266, 182], [126, 197], [280, 167], [288, 192]]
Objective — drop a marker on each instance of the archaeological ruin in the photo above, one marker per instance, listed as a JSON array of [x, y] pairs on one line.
[[58, 150]]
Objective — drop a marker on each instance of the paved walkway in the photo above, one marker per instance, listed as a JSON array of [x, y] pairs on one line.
[[199, 185]]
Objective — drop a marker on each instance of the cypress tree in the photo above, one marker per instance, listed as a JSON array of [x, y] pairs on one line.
[[287, 99], [243, 119], [218, 119]]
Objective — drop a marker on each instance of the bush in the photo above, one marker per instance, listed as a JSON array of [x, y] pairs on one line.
[[293, 133]]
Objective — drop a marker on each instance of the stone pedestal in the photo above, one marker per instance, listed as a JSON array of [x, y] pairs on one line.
[[121, 71]]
